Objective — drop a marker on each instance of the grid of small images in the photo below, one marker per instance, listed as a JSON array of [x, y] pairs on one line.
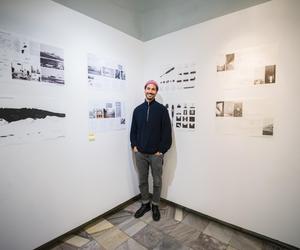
[[182, 115]]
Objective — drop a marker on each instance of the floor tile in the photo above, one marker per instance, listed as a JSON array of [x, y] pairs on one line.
[[181, 232], [132, 226], [169, 243], [110, 238], [243, 241], [76, 241], [231, 248], [119, 217], [98, 227], [206, 242], [132, 208], [149, 237], [131, 245], [195, 221], [219, 232], [92, 245], [165, 225], [166, 211], [147, 217]]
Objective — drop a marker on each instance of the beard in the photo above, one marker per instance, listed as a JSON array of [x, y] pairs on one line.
[[150, 97]]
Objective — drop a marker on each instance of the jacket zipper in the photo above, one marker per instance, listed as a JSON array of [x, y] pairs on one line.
[[148, 111]]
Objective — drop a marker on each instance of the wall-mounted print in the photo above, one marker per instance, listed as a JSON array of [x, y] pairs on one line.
[[27, 60], [182, 115], [229, 109], [178, 77], [52, 64], [248, 67], [248, 117], [30, 120], [106, 116], [105, 74], [227, 64]]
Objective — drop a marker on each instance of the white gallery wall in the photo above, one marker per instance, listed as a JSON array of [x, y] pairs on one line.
[[249, 181], [50, 187]]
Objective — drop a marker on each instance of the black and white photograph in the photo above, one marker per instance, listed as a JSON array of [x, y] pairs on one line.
[[270, 74], [220, 108], [21, 121], [51, 75], [24, 59], [52, 64], [25, 71], [268, 126]]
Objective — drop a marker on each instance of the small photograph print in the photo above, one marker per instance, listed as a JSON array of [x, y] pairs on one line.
[[52, 75], [52, 53], [229, 62], [178, 125], [192, 111], [178, 118], [192, 118], [238, 109], [268, 126], [120, 73], [233, 109], [220, 68], [25, 71], [53, 64], [192, 125], [185, 118], [220, 109], [184, 125], [270, 74]]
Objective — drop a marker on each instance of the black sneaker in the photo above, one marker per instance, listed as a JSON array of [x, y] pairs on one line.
[[155, 213], [142, 210]]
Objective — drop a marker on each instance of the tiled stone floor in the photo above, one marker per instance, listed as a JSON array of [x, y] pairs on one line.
[[122, 231]]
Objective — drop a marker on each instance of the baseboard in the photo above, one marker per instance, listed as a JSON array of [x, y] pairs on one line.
[[237, 228]]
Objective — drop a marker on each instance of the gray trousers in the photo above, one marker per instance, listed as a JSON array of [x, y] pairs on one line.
[[155, 162]]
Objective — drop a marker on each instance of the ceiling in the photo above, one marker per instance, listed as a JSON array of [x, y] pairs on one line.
[[148, 19]]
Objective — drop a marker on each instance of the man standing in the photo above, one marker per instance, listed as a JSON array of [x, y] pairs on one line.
[[150, 137]]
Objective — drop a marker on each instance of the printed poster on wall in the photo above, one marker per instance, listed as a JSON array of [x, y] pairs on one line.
[[178, 77], [256, 66], [105, 74], [247, 117], [27, 120], [27, 60], [106, 116], [182, 116]]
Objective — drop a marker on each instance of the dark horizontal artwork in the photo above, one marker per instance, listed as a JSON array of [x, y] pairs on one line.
[[15, 114]]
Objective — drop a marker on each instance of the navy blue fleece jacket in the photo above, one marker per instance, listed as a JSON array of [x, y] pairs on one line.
[[151, 128]]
